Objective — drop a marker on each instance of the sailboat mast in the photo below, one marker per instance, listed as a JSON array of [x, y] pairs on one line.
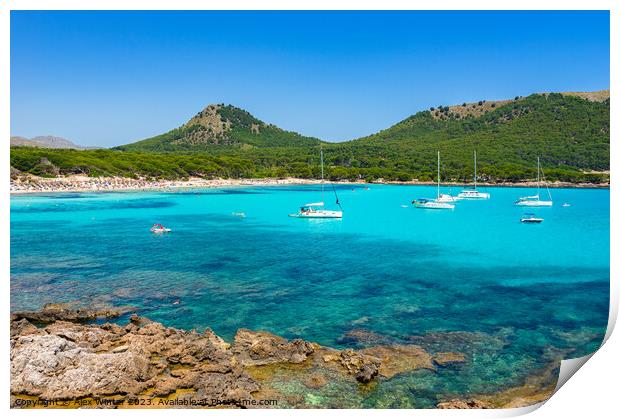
[[475, 170], [438, 179], [322, 177], [538, 177]]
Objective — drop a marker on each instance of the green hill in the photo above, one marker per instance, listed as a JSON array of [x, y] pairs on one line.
[[218, 126], [570, 133]]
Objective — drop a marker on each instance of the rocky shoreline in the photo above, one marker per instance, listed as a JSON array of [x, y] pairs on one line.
[[60, 357], [24, 184]]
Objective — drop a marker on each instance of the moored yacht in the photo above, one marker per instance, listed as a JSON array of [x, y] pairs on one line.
[[315, 209], [444, 197], [431, 204], [534, 200], [442, 201], [473, 193]]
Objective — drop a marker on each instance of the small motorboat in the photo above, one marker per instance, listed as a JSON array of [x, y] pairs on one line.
[[239, 214], [566, 204], [158, 229], [531, 218]]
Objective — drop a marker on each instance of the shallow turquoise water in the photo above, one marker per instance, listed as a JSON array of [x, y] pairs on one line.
[[528, 293]]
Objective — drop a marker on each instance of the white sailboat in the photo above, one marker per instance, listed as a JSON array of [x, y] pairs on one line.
[[315, 209], [474, 193], [534, 201], [442, 201]]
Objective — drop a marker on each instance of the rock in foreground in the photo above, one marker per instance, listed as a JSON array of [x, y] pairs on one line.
[[463, 404], [69, 360], [145, 364]]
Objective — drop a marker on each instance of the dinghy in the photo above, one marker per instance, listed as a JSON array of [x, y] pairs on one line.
[[158, 229]]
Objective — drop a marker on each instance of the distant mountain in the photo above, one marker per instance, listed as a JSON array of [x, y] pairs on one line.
[[221, 126], [17, 141], [45, 141]]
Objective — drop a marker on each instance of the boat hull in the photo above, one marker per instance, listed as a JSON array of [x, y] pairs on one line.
[[446, 198], [534, 203], [318, 214], [474, 196], [433, 205]]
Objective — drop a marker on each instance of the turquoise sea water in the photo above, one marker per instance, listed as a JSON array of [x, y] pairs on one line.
[[524, 294]]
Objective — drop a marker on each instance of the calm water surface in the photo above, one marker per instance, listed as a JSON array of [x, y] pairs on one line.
[[523, 294]]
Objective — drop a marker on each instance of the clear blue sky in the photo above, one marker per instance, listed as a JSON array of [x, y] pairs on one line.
[[109, 78]]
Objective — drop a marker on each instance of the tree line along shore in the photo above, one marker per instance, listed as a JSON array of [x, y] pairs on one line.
[[570, 135], [48, 163]]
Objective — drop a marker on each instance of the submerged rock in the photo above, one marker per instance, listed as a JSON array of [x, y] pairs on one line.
[[448, 359], [398, 359], [363, 337], [459, 341], [56, 312], [315, 381], [463, 404]]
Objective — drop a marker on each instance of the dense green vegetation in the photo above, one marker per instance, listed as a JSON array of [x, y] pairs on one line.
[[101, 162], [241, 134], [571, 135]]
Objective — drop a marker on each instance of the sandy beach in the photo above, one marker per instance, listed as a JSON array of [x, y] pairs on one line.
[[76, 183], [33, 184]]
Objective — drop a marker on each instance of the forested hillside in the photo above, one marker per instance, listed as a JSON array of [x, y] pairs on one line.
[[568, 132], [219, 126]]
